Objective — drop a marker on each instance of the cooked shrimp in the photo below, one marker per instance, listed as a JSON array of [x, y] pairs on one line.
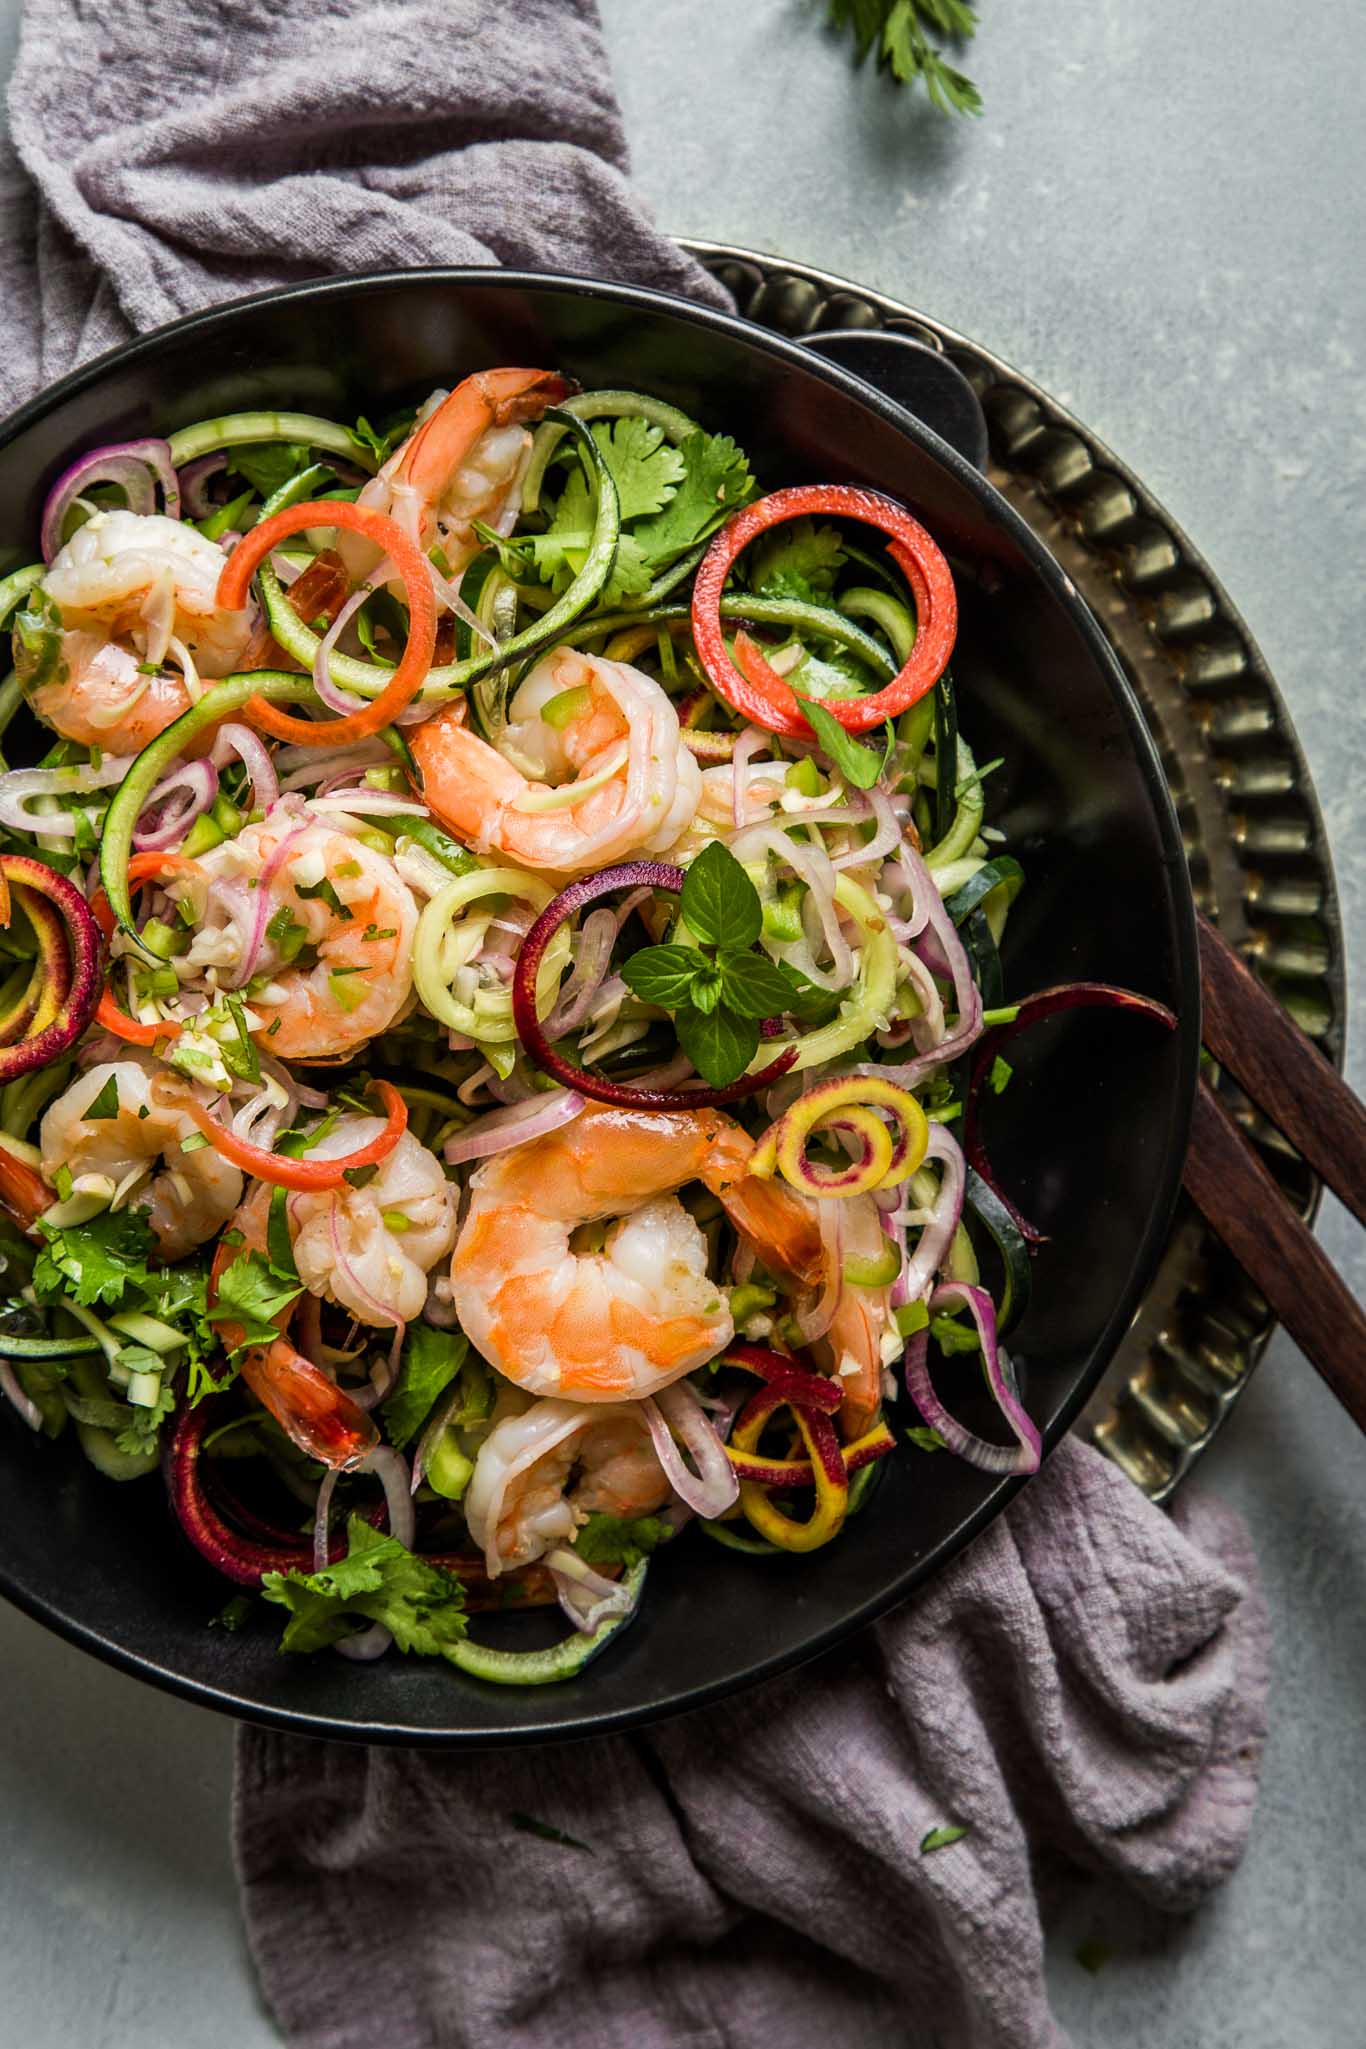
[[372, 1248], [539, 1475], [328, 921], [465, 461], [634, 784], [862, 1336], [624, 1321], [310, 1408], [130, 589], [133, 1156]]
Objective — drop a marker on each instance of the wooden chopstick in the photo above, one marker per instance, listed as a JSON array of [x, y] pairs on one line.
[[1289, 1079], [1284, 1073], [1240, 1198]]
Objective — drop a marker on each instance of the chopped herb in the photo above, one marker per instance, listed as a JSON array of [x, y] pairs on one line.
[[360, 1177], [106, 1103], [926, 1439], [617, 1540], [858, 764], [286, 933], [420, 1604], [380, 932], [194, 1143], [940, 1838], [326, 893], [234, 1616], [530, 1826], [1001, 1071]]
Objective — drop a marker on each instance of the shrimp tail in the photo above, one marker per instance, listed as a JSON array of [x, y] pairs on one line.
[[24, 1194], [314, 1413]]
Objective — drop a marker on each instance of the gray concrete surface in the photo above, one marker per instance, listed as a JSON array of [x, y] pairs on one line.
[[1159, 217]]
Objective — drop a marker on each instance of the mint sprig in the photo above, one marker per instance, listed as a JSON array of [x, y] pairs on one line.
[[717, 989]]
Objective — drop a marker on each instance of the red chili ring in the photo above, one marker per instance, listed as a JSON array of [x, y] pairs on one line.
[[755, 689]]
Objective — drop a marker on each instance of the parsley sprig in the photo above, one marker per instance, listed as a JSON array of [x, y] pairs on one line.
[[716, 986], [900, 31]]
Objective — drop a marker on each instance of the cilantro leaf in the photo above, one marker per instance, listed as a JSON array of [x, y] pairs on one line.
[[856, 763], [421, 1605], [618, 1540], [431, 1360], [756, 986], [716, 478], [560, 553], [662, 975], [97, 1261], [645, 467], [720, 903], [252, 1294], [267, 465], [897, 29], [719, 1044], [106, 1103], [797, 560], [142, 1432]]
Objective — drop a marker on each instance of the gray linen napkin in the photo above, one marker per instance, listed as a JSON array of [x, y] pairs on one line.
[[1087, 1684]]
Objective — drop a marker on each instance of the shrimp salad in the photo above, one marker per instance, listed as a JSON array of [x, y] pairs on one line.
[[499, 990]]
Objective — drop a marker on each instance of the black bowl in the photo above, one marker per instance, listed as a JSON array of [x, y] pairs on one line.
[[1090, 1137]]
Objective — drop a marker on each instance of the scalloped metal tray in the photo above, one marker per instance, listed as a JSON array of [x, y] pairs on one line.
[[1253, 832]]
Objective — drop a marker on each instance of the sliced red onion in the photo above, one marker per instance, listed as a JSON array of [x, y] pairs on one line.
[[812, 866], [917, 1274], [1025, 1455], [884, 841], [369, 803], [20, 786], [14, 1393], [321, 1517], [307, 768], [391, 1469], [586, 1597], [173, 806], [814, 1320], [597, 937], [260, 902], [366, 1645], [439, 1308], [749, 743], [382, 1316], [333, 697], [193, 476], [967, 997], [135, 465], [713, 1488], [513, 1125], [384, 1378], [254, 755]]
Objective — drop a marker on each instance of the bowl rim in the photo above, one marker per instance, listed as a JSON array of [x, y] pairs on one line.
[[1148, 1249]]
